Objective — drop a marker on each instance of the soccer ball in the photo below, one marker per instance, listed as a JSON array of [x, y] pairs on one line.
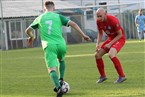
[[65, 87]]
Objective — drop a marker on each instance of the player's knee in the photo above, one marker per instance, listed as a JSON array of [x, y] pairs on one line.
[[97, 56], [111, 55], [51, 69]]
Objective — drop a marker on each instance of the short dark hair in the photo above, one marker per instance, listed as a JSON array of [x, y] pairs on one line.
[[49, 4]]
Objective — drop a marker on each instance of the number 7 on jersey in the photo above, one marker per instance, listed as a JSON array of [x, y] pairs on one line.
[[49, 23]]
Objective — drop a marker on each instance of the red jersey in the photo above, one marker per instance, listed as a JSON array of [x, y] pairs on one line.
[[110, 26]]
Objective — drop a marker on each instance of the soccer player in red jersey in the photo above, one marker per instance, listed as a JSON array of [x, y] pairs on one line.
[[116, 40]]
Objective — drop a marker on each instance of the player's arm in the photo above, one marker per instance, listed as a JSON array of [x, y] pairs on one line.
[[76, 27], [29, 32], [66, 22], [100, 35], [99, 38], [144, 21], [136, 23]]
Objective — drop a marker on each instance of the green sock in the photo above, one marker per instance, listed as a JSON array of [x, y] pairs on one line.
[[61, 69], [54, 78]]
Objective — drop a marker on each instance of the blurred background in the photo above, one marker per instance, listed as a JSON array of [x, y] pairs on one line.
[[17, 15]]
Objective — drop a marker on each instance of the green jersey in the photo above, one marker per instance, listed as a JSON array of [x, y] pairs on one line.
[[50, 27]]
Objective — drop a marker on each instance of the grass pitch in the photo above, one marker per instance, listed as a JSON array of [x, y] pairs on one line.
[[24, 74]]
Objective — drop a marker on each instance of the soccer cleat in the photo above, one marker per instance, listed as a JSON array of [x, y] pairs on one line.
[[55, 90], [59, 92], [101, 79], [120, 80], [61, 83]]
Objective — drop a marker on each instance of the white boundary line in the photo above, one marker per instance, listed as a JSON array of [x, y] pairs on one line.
[[82, 55], [69, 56]]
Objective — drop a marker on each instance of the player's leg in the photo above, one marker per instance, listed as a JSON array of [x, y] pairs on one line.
[[144, 32], [52, 64], [112, 55], [100, 63], [61, 57], [139, 34], [61, 51], [61, 69]]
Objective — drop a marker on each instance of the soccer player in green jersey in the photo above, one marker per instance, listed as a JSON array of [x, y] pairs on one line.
[[54, 46]]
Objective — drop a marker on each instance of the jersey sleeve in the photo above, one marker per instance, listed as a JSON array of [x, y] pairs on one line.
[[35, 23], [116, 25], [64, 20]]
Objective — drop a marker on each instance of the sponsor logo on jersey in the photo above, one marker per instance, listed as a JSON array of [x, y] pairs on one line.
[[109, 28]]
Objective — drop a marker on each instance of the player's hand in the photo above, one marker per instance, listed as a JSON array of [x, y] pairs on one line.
[[107, 46], [30, 41], [87, 38], [97, 47]]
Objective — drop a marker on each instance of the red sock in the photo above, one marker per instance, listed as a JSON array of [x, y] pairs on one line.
[[100, 66], [118, 66]]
